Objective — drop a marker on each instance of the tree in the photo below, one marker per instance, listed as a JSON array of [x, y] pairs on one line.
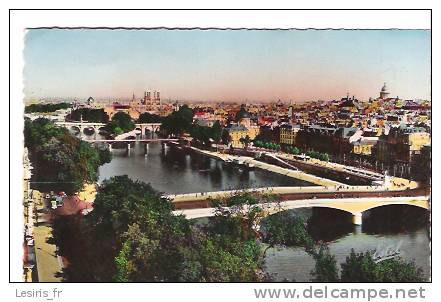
[[139, 226], [146, 117], [134, 233], [61, 161], [216, 130], [295, 151], [285, 228], [245, 141], [360, 267], [90, 115], [225, 137], [325, 269], [178, 122], [121, 122], [46, 107]]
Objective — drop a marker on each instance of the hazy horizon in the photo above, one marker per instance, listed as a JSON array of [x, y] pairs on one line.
[[226, 65]]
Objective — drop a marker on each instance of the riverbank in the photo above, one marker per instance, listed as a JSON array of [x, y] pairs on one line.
[[394, 183], [271, 168]]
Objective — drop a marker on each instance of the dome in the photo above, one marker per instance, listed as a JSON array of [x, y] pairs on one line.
[[242, 113], [384, 89]]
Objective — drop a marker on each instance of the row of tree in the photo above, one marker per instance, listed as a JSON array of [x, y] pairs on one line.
[[89, 114], [46, 107], [293, 150], [267, 145], [147, 117], [61, 161], [318, 155]]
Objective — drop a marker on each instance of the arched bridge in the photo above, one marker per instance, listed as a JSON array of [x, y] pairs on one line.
[[352, 199], [152, 127], [354, 206], [81, 125]]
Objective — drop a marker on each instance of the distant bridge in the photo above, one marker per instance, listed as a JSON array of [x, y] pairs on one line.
[[81, 125], [131, 140]]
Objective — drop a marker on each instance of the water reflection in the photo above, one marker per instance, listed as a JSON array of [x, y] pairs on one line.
[[171, 170], [403, 227]]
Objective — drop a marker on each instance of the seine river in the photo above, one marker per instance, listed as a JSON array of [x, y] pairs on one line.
[[171, 171]]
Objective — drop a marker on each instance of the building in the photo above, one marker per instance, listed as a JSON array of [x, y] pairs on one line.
[[364, 145], [402, 144], [288, 134], [384, 94], [409, 143], [115, 108], [238, 131], [316, 137], [270, 134]]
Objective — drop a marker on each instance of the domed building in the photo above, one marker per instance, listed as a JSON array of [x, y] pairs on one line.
[[384, 94]]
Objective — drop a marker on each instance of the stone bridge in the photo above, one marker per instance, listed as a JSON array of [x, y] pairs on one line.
[[81, 126], [96, 127], [354, 206]]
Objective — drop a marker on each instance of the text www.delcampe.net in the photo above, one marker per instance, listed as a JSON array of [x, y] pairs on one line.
[[324, 292]]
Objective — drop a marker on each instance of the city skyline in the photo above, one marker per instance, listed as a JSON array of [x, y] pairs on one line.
[[225, 65]]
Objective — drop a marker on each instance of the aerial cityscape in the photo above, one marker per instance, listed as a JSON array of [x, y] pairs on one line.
[[227, 156]]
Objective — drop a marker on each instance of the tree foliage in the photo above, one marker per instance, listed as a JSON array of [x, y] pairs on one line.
[[267, 145], [245, 141], [46, 107], [216, 131], [361, 267], [133, 236], [225, 137], [147, 117], [325, 269], [206, 134], [121, 122], [293, 150], [61, 161], [178, 122], [287, 229], [318, 155], [89, 115]]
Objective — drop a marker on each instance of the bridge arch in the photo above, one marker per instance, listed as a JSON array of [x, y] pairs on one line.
[[75, 129], [90, 129], [354, 209], [419, 204], [286, 207]]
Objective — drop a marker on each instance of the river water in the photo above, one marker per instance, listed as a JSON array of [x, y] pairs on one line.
[[171, 171]]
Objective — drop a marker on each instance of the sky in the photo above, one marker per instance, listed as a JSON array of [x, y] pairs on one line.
[[227, 65]]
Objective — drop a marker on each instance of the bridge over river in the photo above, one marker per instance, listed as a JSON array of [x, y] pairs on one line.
[[96, 127], [353, 200]]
